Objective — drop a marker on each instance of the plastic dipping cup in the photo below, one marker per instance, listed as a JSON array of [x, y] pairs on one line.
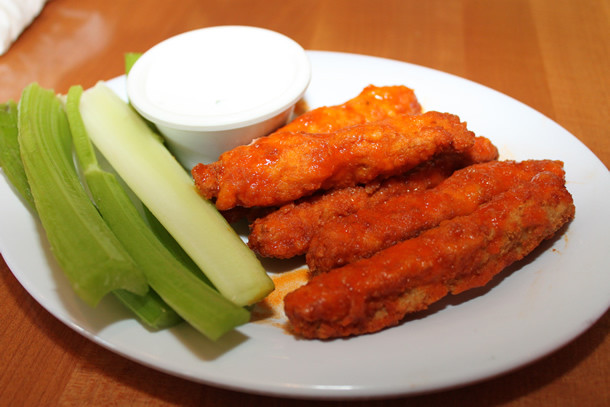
[[212, 89]]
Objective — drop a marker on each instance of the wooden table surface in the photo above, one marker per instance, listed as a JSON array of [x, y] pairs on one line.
[[553, 55]]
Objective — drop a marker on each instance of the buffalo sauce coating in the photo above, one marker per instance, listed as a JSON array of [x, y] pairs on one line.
[[285, 166], [459, 254], [346, 239], [374, 103]]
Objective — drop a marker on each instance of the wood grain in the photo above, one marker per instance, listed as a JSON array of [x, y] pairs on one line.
[[553, 55]]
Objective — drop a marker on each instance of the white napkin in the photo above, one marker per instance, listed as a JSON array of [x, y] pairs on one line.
[[15, 16]]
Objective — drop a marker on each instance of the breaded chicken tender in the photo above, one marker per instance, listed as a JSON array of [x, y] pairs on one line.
[[286, 166], [459, 254], [374, 103], [344, 240], [287, 232]]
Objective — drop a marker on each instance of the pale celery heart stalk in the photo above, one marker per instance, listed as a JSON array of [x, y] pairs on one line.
[[167, 190], [88, 252], [195, 301]]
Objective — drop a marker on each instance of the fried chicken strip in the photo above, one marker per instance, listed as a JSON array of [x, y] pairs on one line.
[[346, 239], [288, 231], [459, 254], [286, 166], [374, 103]]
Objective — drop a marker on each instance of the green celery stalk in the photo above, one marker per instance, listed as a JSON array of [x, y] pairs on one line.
[[130, 59], [199, 304], [167, 190], [149, 308], [10, 158], [89, 254]]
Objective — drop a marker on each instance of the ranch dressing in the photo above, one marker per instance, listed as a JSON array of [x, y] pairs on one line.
[[221, 77]]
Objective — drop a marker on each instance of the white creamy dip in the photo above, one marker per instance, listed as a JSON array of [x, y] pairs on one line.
[[240, 77], [223, 76]]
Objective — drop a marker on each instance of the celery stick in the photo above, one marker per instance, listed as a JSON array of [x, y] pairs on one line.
[[199, 304], [10, 158], [149, 308], [155, 176], [130, 59], [88, 252]]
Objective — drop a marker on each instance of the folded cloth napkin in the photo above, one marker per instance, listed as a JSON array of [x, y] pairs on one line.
[[15, 16]]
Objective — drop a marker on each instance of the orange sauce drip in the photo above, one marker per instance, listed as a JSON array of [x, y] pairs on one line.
[[271, 309]]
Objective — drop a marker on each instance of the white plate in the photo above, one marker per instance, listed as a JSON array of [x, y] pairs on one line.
[[527, 312]]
